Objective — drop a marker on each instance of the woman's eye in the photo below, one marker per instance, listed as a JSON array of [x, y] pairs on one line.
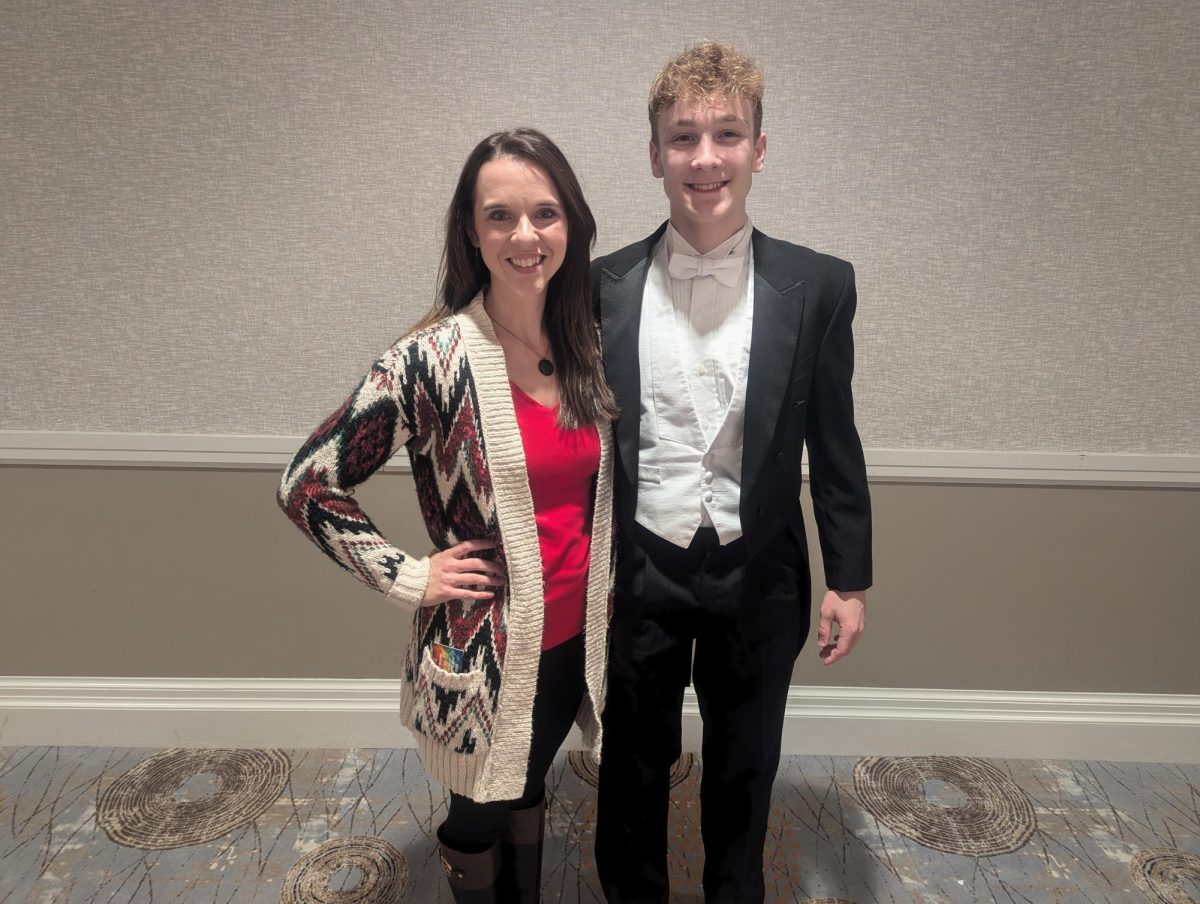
[[547, 213], [498, 215]]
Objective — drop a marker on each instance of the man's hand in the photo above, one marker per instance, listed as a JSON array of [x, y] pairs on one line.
[[849, 612]]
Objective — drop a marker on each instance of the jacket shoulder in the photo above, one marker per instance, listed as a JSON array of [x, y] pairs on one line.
[[800, 255], [620, 262]]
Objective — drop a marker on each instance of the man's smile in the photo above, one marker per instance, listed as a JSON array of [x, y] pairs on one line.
[[706, 186]]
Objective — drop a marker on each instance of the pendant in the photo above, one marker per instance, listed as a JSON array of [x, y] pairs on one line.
[[546, 366]]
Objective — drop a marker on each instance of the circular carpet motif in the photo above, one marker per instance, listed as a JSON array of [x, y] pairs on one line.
[[382, 872], [143, 808], [586, 767], [996, 817], [1161, 874]]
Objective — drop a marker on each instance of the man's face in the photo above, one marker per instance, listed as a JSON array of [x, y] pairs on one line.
[[705, 155]]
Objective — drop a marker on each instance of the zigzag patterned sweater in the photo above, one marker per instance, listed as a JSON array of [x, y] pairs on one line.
[[443, 394]]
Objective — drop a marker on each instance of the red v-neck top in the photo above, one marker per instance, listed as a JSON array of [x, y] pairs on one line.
[[562, 465]]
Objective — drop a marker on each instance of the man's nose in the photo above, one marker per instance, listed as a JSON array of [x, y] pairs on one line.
[[706, 154]]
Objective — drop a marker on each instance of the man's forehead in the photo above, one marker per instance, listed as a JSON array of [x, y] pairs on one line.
[[722, 108]]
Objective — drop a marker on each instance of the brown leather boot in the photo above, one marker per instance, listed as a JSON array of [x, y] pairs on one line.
[[472, 877], [521, 855]]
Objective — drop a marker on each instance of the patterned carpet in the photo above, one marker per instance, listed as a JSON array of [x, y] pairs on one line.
[[84, 825]]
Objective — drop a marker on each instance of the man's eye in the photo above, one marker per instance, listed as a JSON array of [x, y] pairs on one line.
[[681, 139]]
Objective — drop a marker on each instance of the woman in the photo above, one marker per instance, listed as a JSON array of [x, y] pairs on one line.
[[499, 398]]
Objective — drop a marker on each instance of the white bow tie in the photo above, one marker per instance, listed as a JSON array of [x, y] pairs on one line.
[[689, 266]]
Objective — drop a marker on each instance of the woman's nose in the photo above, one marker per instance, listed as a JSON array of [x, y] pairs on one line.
[[524, 229]]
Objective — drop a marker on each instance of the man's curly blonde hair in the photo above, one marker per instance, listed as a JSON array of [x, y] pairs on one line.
[[704, 72]]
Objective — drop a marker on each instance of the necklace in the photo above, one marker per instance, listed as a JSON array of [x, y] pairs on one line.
[[545, 365]]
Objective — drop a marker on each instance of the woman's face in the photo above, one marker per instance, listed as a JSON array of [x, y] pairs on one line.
[[519, 227]]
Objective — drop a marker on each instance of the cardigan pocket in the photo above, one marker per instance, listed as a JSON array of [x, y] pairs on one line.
[[452, 708]]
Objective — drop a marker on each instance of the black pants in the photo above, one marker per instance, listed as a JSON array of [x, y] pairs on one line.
[[472, 826], [747, 621]]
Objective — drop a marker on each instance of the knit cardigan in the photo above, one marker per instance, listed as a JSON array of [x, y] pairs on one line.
[[443, 393]]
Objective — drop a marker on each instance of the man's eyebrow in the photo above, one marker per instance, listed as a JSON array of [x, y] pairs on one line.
[[728, 117]]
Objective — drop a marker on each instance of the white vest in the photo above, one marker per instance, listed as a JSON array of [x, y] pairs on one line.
[[689, 471]]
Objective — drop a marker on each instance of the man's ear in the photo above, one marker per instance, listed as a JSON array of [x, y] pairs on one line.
[[760, 152], [655, 160]]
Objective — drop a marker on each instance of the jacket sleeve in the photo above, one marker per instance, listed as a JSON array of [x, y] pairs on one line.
[[837, 471], [317, 491]]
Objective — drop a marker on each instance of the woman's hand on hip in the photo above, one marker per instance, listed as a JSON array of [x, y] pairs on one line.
[[456, 574]]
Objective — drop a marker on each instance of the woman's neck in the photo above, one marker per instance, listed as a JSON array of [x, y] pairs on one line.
[[520, 313]]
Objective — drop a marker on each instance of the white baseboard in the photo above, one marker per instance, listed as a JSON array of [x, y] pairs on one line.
[[1010, 724], [308, 713], [168, 450]]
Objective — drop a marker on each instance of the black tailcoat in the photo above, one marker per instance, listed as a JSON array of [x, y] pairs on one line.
[[798, 392]]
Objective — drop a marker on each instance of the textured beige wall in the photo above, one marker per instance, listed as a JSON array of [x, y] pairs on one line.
[[217, 214], [177, 573]]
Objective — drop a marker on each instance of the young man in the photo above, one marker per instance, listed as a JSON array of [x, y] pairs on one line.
[[728, 351]]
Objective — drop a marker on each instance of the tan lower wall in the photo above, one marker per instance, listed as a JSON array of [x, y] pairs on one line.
[[191, 573]]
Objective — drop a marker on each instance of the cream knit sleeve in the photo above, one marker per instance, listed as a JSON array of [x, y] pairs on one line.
[[317, 491]]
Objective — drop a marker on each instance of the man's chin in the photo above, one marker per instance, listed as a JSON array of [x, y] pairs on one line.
[[709, 214]]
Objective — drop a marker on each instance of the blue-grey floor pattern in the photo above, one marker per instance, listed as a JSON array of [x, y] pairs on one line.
[[89, 825]]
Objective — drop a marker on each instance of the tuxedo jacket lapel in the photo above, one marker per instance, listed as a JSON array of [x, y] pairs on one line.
[[778, 313]]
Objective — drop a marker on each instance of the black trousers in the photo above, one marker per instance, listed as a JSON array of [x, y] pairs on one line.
[[473, 827], [747, 621]]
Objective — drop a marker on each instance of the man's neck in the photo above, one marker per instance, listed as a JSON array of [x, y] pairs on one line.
[[704, 237]]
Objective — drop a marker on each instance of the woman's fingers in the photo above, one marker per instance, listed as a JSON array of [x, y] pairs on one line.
[[464, 594], [467, 546], [475, 566], [479, 567], [453, 576]]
